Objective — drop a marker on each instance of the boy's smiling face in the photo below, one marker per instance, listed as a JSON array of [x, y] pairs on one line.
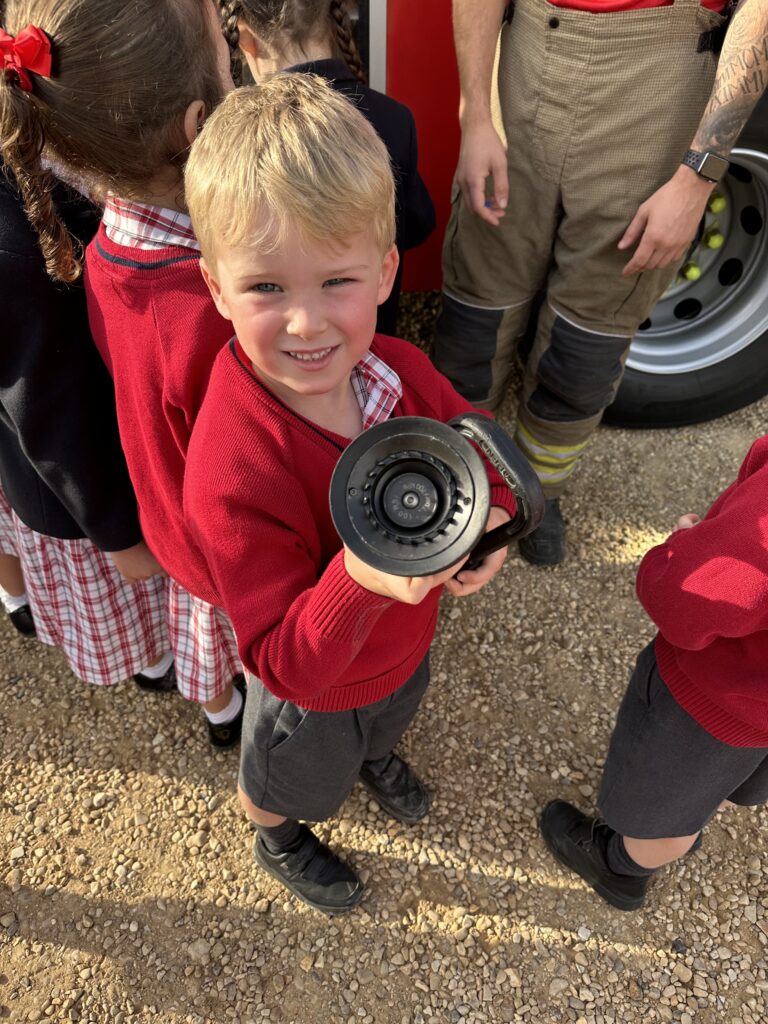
[[304, 314]]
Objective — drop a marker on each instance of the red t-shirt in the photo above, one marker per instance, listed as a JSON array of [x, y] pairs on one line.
[[610, 6]]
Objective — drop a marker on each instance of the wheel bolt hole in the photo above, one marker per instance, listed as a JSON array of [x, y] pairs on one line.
[[688, 309], [751, 220], [730, 272]]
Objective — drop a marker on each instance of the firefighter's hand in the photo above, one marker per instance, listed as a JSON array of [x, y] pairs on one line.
[[483, 155], [665, 224]]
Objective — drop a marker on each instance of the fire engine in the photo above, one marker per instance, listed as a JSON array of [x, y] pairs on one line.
[[703, 351]]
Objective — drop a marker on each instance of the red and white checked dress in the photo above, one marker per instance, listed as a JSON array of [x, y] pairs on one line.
[[108, 629]]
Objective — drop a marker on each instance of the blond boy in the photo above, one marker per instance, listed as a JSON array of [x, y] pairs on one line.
[[291, 195]]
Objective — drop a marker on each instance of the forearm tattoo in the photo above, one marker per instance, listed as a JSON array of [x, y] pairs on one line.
[[742, 76]]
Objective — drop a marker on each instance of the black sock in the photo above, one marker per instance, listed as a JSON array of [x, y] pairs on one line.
[[284, 838], [619, 861]]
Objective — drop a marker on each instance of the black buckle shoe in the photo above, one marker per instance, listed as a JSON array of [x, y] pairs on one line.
[[22, 621], [164, 684], [578, 842], [228, 733], [396, 788], [546, 545], [314, 873]]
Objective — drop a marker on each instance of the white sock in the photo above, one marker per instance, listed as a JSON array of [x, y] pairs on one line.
[[158, 671], [12, 603], [230, 712]]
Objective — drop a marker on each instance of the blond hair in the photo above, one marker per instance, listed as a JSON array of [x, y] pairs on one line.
[[112, 112], [291, 153]]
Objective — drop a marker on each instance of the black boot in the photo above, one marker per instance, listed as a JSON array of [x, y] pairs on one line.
[[546, 545], [396, 788], [579, 842], [313, 872]]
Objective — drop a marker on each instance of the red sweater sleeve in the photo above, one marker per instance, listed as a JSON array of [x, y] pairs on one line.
[[711, 580], [297, 632]]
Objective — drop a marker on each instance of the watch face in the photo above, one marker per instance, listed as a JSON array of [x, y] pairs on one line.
[[712, 167]]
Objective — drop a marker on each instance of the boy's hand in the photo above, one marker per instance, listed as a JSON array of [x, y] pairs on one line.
[[469, 581], [408, 589], [686, 522]]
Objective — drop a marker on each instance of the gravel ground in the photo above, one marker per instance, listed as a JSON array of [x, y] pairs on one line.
[[127, 889]]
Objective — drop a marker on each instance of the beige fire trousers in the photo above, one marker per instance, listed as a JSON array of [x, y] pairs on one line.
[[598, 111]]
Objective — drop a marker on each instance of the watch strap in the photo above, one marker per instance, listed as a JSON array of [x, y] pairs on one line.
[[707, 165]]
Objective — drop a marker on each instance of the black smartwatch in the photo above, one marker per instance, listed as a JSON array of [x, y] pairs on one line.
[[707, 165]]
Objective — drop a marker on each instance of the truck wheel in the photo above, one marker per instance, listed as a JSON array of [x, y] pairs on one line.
[[703, 351]]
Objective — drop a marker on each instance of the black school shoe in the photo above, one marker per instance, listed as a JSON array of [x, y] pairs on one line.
[[314, 873], [228, 734], [22, 621], [546, 545], [579, 843], [397, 790], [165, 684]]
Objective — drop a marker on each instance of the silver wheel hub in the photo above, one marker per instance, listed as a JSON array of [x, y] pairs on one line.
[[718, 304]]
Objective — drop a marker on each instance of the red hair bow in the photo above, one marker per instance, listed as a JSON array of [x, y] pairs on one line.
[[29, 51]]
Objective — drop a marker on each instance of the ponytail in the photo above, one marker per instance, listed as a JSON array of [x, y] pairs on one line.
[[22, 139], [111, 114], [229, 12], [345, 41]]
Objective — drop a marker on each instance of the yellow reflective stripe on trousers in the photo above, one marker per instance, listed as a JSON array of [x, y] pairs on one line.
[[551, 464]]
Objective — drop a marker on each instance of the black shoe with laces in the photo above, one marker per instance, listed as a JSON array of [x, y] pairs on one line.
[[312, 872], [546, 545], [22, 621], [396, 788], [579, 843], [164, 684], [228, 733]]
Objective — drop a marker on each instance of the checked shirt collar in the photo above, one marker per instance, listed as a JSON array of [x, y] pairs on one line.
[[377, 389], [139, 226]]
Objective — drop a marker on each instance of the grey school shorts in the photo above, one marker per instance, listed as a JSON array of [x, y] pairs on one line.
[[303, 764], [665, 775]]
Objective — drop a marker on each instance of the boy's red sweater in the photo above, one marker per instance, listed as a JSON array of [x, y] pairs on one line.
[[706, 588], [256, 493], [158, 331]]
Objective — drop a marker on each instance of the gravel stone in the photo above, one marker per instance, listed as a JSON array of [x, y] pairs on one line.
[[129, 892]]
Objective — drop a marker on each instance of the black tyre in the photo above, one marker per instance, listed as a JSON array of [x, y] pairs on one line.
[[703, 351]]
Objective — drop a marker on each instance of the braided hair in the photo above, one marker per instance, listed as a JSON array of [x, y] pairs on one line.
[[22, 138], [109, 113], [296, 22], [345, 41], [229, 12]]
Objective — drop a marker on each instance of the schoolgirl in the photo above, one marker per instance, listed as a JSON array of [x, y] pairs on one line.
[[66, 502], [116, 107]]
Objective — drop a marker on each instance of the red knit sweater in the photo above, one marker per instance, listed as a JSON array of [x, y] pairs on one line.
[[706, 588], [256, 493], [158, 331]]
